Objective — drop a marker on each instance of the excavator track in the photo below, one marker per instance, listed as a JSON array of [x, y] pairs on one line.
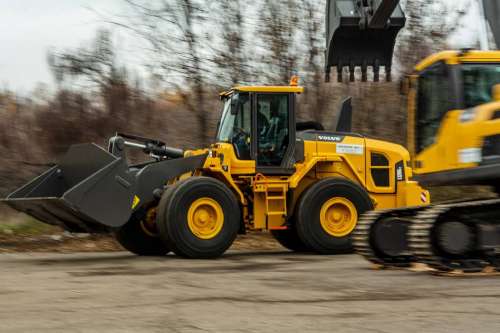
[[462, 237], [381, 237], [361, 237]]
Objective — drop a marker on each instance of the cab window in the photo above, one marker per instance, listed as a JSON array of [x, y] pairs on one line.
[[479, 80], [272, 128], [236, 125], [433, 104]]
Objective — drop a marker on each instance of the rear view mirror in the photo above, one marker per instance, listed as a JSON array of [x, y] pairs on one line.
[[235, 104], [495, 93]]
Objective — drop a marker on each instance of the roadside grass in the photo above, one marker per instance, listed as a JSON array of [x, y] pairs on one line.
[[23, 225]]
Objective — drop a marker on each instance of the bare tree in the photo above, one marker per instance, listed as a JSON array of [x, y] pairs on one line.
[[313, 29], [279, 32], [230, 56], [95, 63], [428, 27], [175, 31]]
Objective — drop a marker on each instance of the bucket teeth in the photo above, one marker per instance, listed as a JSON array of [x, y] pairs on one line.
[[362, 34], [352, 69], [364, 73]]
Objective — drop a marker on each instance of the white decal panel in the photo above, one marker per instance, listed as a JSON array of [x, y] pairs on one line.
[[343, 148], [470, 155]]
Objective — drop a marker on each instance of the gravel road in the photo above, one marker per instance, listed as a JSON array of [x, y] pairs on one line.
[[242, 292]]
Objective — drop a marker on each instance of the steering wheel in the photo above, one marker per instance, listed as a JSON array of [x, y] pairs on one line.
[[241, 142], [240, 134]]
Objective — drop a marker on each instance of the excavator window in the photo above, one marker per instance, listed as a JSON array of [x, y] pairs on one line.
[[433, 103], [272, 128], [478, 80]]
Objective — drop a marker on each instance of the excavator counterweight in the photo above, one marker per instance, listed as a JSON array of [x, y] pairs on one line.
[[362, 33]]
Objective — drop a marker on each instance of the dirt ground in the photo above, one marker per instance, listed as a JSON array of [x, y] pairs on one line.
[[62, 242], [265, 291]]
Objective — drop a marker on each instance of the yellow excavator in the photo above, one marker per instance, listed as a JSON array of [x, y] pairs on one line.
[[453, 137]]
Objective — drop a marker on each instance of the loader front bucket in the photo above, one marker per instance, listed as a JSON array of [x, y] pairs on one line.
[[93, 191], [89, 191], [353, 41]]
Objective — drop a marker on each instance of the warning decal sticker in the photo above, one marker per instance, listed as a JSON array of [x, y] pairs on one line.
[[350, 149]]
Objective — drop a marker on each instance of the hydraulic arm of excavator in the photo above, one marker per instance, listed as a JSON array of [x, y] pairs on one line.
[[492, 14], [362, 33]]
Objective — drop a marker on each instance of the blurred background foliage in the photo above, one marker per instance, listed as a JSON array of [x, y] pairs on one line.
[[195, 49]]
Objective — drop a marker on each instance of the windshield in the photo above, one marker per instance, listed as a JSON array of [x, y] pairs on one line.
[[235, 123], [227, 123], [479, 80]]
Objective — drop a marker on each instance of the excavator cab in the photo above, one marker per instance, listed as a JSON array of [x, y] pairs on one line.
[[361, 33], [452, 117]]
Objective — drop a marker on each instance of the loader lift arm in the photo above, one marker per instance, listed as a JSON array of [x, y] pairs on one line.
[[361, 33]]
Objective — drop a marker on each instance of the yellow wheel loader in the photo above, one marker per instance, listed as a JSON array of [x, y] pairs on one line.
[[453, 137], [265, 171]]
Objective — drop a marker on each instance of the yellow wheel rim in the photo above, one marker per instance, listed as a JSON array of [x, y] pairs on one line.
[[338, 217], [205, 218]]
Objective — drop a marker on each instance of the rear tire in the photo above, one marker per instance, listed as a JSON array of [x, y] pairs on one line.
[[290, 239], [327, 214], [199, 218], [135, 239]]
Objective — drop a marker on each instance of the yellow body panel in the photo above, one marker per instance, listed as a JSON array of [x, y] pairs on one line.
[[455, 137], [457, 57], [268, 206], [268, 89], [271, 89], [412, 106]]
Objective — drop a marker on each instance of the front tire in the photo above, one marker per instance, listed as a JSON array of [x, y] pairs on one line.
[[199, 218], [136, 238], [328, 212]]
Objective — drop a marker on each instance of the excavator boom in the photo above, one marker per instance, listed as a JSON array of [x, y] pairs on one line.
[[492, 14], [362, 33]]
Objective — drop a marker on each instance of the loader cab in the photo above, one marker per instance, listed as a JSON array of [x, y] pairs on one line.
[[260, 124]]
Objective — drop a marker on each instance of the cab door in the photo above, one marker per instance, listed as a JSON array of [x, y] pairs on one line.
[[274, 132]]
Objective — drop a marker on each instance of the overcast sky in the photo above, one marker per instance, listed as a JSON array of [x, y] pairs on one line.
[[29, 28]]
